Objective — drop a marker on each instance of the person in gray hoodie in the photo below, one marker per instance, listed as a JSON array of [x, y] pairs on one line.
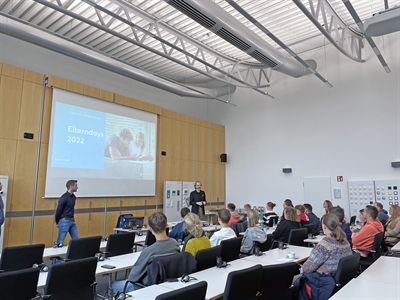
[[252, 234]]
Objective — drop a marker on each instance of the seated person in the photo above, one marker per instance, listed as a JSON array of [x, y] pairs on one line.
[[286, 203], [365, 237], [252, 234], [361, 222], [291, 221], [324, 260], [392, 233], [199, 241], [382, 214], [313, 219], [339, 212], [270, 213], [163, 245], [235, 217], [177, 231], [246, 207], [300, 209], [226, 232]]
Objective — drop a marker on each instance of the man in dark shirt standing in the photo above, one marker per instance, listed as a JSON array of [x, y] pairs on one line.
[[65, 214]]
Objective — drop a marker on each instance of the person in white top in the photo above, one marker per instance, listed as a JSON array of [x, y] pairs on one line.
[[226, 232]]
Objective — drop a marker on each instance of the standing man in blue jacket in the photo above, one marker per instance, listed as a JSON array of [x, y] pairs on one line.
[[65, 214]]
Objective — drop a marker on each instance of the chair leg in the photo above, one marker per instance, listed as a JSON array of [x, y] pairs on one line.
[[108, 293]]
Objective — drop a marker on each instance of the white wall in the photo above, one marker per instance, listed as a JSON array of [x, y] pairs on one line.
[[351, 129]]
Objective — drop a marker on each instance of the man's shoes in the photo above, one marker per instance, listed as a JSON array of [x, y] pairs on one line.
[[55, 245]]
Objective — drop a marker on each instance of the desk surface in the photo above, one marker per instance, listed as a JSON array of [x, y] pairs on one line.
[[121, 262], [277, 256], [150, 292], [396, 247], [386, 269], [211, 228], [363, 289], [315, 240]]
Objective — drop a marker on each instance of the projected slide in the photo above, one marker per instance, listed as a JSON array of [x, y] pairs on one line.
[[108, 148]]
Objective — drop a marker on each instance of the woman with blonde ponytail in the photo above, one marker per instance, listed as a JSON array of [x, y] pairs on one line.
[[323, 262], [199, 241]]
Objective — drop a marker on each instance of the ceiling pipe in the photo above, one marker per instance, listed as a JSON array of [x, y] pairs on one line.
[[211, 16], [28, 33]]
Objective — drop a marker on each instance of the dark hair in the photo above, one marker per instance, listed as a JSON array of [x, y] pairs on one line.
[[184, 211], [158, 222], [270, 204], [308, 206], [288, 202], [126, 134], [231, 206], [300, 207], [224, 215], [379, 205], [332, 222], [337, 211], [361, 211], [247, 206], [70, 183], [372, 211]]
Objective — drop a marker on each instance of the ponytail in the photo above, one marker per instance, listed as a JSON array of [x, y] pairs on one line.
[[193, 225], [332, 222]]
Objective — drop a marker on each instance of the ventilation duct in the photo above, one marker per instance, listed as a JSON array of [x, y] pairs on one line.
[[49, 41], [217, 20]]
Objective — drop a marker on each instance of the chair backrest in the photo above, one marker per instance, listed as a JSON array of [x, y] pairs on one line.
[[120, 243], [347, 270], [72, 280], [207, 258], [239, 227], [83, 247], [352, 220], [230, 249], [195, 291], [310, 228], [120, 220], [168, 266], [297, 236], [150, 238], [21, 257], [276, 281], [243, 284], [20, 284], [271, 221], [377, 246], [267, 244]]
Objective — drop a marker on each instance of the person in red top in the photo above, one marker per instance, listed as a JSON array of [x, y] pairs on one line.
[[365, 237], [301, 213], [235, 217]]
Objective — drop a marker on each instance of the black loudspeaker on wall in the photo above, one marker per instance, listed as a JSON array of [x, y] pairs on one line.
[[224, 157], [395, 164], [287, 170]]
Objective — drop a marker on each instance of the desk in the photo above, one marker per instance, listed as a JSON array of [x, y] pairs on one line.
[[363, 289], [212, 228], [268, 230], [396, 248], [277, 256], [150, 292], [121, 262], [315, 240], [385, 269]]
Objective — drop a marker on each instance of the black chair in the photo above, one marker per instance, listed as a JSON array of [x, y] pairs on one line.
[[276, 281], [239, 227], [195, 291], [374, 253], [151, 239], [120, 243], [72, 280], [310, 228], [83, 247], [20, 284], [21, 257], [230, 249], [297, 237], [243, 284], [346, 271], [120, 221], [207, 258], [353, 220]]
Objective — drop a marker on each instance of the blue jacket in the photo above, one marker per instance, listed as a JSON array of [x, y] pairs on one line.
[[346, 228], [322, 286], [1, 211], [176, 232]]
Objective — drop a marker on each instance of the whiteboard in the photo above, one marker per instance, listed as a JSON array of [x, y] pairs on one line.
[[316, 191]]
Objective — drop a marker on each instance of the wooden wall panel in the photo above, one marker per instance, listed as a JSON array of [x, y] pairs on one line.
[[19, 230], [31, 106], [203, 144], [1, 68], [218, 182], [74, 86], [120, 99], [96, 224], [58, 82], [82, 222], [13, 71], [10, 106], [47, 115], [217, 145], [8, 152], [112, 217], [33, 77], [43, 231], [25, 167]]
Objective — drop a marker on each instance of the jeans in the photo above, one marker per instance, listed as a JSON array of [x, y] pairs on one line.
[[118, 286], [65, 226]]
